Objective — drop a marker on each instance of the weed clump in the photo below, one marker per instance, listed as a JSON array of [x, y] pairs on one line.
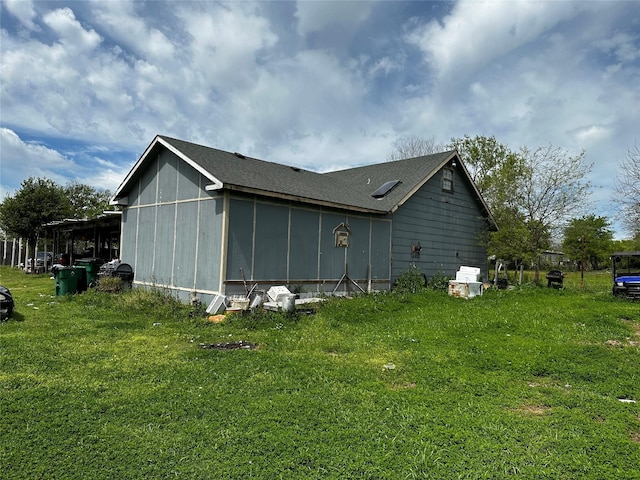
[[411, 281]]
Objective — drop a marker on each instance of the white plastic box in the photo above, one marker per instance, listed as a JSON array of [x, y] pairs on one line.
[[276, 293]]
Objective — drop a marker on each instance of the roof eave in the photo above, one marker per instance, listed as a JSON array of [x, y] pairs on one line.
[[297, 198], [118, 196]]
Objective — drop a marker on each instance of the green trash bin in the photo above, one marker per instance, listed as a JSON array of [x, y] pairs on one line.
[[81, 278], [92, 266], [66, 280]]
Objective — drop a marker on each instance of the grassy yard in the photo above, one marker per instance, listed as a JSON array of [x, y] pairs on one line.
[[526, 383]]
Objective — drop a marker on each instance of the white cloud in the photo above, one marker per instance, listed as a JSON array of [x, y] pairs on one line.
[[622, 46], [478, 32], [123, 24], [225, 45], [23, 10], [71, 34], [314, 16], [589, 134]]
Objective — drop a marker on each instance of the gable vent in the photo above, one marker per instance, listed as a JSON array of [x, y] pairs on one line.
[[385, 188]]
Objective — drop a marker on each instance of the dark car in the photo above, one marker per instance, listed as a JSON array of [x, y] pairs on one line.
[[6, 303], [626, 274], [41, 259]]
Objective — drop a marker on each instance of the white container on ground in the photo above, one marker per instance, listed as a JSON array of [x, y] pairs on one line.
[[465, 289], [276, 293]]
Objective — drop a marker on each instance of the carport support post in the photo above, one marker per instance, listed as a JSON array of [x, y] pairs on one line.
[[13, 253]]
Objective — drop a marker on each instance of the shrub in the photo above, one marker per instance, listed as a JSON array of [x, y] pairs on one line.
[[410, 281], [439, 282]]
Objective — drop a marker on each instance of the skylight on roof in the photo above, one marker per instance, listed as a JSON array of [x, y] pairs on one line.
[[385, 188]]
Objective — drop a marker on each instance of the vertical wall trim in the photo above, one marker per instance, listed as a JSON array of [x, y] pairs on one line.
[[135, 253], [253, 238], [319, 248], [155, 217], [289, 244], [195, 257], [390, 272], [369, 267], [224, 242], [175, 227]]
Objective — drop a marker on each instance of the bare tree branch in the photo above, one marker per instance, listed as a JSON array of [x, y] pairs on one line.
[[414, 146], [628, 190]]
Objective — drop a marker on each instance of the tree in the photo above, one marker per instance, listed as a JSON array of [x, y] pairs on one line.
[[38, 201], [86, 201], [494, 168], [513, 239], [413, 146], [628, 190], [588, 237], [531, 193], [552, 190]]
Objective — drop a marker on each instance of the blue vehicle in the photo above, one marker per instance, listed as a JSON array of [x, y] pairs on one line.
[[626, 274]]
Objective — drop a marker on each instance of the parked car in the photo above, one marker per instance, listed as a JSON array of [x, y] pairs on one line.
[[6, 303], [41, 257], [626, 274]]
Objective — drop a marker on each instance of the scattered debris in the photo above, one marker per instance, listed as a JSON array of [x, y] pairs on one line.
[[240, 344], [389, 366], [626, 400]]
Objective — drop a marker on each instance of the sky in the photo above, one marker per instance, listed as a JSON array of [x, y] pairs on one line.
[[87, 85]]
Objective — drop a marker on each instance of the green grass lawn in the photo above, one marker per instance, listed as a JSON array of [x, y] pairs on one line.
[[521, 383]]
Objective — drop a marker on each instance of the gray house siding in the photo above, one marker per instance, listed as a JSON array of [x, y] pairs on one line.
[[447, 225], [172, 228]]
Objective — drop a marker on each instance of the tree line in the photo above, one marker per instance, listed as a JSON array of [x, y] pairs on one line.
[[540, 198]]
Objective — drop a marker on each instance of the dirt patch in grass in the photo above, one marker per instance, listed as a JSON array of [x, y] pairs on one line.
[[635, 437], [403, 386], [535, 410]]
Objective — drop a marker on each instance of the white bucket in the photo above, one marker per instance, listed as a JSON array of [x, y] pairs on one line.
[[289, 303]]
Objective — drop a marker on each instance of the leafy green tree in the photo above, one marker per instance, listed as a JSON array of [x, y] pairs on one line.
[[511, 241], [38, 201], [86, 201], [494, 168], [588, 237]]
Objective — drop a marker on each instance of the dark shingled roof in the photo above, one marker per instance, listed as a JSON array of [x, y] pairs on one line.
[[350, 188]]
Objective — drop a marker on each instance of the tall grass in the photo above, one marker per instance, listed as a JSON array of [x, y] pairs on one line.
[[518, 383]]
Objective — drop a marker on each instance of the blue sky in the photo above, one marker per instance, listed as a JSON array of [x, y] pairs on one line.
[[322, 85]]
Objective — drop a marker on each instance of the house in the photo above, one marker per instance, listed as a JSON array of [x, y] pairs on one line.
[[201, 221]]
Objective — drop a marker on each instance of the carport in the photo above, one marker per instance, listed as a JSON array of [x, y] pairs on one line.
[[81, 238]]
